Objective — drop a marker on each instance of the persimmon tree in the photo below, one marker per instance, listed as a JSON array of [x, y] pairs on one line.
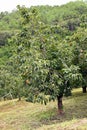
[[44, 63]]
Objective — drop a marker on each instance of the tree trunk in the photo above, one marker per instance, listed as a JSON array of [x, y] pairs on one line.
[[60, 104], [19, 98], [84, 89], [4, 98]]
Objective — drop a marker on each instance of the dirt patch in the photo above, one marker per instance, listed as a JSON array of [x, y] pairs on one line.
[[2, 125], [77, 124]]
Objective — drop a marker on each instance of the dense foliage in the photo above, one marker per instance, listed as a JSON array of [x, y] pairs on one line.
[[46, 55]]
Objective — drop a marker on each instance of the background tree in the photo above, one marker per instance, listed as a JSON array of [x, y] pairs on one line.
[[80, 51]]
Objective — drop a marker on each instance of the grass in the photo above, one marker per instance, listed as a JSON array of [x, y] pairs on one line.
[[15, 115]]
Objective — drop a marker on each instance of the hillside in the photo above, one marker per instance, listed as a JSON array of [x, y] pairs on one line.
[[43, 60], [22, 115], [48, 14]]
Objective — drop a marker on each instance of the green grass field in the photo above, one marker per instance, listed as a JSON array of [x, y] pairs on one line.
[[15, 115]]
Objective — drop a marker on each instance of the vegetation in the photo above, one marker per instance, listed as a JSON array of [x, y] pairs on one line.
[[27, 116], [43, 57]]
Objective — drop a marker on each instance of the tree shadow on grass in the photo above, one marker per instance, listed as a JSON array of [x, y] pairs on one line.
[[75, 107]]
